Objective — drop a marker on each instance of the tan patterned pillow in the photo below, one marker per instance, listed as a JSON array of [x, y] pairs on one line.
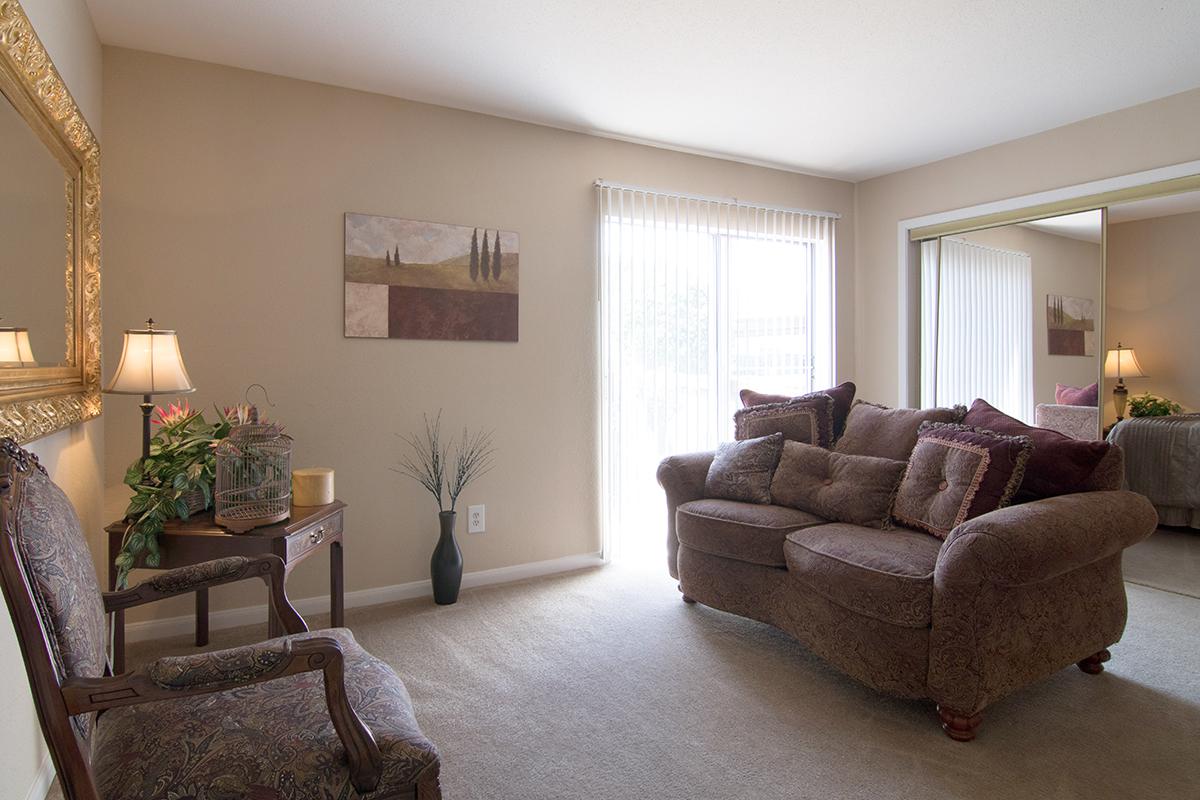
[[957, 472], [743, 470], [838, 487], [875, 430]]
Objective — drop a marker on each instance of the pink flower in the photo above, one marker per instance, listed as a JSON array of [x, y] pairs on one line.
[[173, 414]]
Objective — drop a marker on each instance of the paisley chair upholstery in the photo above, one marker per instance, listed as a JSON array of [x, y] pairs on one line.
[[307, 716]]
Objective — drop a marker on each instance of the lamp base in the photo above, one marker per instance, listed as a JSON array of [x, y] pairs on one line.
[[1120, 396]]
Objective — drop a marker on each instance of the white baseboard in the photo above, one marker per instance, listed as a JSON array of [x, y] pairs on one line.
[[253, 615], [43, 781]]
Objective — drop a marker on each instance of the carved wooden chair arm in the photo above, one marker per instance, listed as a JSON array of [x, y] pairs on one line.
[[182, 580], [203, 673]]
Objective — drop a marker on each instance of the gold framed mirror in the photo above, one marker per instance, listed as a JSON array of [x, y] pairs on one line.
[[49, 242]]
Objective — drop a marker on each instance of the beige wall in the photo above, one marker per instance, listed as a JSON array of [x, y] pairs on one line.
[[224, 196], [1151, 135], [74, 456], [1153, 297], [1061, 265]]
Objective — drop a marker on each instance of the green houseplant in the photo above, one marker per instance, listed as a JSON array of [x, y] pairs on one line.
[[1148, 405], [174, 482]]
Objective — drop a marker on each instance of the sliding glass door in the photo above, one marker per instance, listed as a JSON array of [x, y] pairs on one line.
[[699, 299]]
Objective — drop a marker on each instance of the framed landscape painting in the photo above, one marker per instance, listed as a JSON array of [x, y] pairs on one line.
[[407, 279], [1070, 325]]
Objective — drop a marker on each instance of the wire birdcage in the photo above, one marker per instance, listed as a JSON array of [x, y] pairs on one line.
[[254, 477]]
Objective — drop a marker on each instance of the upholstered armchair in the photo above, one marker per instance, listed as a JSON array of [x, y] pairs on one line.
[[309, 715], [1078, 422]]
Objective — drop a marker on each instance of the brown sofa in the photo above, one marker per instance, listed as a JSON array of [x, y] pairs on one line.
[[1008, 598]]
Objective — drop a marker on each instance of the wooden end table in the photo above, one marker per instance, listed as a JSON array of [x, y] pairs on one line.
[[308, 529]]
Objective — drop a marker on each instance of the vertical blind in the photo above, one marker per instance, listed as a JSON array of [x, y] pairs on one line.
[[977, 326], [699, 298]]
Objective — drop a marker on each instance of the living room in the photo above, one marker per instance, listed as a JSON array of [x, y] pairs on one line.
[[246, 150]]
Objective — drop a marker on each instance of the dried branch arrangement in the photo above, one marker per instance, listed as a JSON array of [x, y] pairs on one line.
[[428, 460]]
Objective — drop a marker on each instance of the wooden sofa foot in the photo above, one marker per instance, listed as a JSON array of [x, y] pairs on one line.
[[957, 726], [688, 600], [1094, 664]]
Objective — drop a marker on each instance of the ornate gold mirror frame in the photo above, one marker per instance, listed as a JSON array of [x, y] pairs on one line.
[[40, 400]]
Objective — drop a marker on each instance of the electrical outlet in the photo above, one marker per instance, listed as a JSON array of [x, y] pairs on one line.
[[475, 519]]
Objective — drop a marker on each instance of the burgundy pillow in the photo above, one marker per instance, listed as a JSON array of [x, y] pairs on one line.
[[807, 419], [1059, 464], [842, 394], [1072, 396], [956, 473]]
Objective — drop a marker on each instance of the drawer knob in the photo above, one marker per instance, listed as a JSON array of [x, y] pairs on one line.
[[317, 535]]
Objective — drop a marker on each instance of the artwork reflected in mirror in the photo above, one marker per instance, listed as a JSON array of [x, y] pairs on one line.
[[984, 332], [36, 199]]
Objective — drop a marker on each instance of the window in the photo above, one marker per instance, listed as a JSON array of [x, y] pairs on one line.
[[977, 326], [699, 299]]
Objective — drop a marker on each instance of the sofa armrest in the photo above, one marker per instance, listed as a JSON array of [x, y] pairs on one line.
[[1033, 542], [682, 477]]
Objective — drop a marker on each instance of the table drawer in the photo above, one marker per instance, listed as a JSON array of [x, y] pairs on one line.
[[314, 536]]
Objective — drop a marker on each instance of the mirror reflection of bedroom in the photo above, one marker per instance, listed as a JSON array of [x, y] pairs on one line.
[[1152, 313], [1072, 322]]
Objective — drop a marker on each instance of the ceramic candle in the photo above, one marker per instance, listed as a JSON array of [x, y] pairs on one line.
[[312, 486]]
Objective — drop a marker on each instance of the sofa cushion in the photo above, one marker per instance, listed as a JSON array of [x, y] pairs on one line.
[[806, 419], [1059, 464], [956, 473], [741, 531], [836, 486], [875, 430], [842, 394], [743, 470], [885, 575]]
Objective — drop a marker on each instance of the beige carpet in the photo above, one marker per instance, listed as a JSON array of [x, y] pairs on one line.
[[602, 684], [1170, 560]]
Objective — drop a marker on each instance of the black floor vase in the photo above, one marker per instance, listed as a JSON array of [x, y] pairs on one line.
[[445, 568]]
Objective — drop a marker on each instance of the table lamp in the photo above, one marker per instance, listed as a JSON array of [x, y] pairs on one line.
[[150, 364], [1122, 363], [14, 347]]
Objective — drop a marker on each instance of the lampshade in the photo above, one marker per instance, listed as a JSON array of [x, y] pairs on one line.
[[1122, 363], [150, 364], [14, 347]]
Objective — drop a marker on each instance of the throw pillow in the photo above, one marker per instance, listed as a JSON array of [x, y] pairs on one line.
[[805, 419], [743, 470], [957, 472], [838, 487], [875, 430], [842, 394], [1059, 464], [1072, 396]]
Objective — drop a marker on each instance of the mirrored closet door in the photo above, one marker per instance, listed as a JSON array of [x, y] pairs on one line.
[[1013, 314]]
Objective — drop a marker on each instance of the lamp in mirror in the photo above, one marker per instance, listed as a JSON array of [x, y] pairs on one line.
[[150, 364], [15, 350], [1122, 363]]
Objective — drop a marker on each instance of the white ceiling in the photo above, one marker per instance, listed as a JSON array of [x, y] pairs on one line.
[[1168, 206], [1084, 226], [846, 89]]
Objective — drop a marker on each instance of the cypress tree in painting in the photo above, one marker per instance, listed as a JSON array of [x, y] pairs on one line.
[[496, 259], [486, 255], [474, 269], [396, 258], [387, 256]]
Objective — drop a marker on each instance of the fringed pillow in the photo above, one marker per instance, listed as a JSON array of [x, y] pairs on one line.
[[842, 394], [957, 472], [875, 430], [807, 419]]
